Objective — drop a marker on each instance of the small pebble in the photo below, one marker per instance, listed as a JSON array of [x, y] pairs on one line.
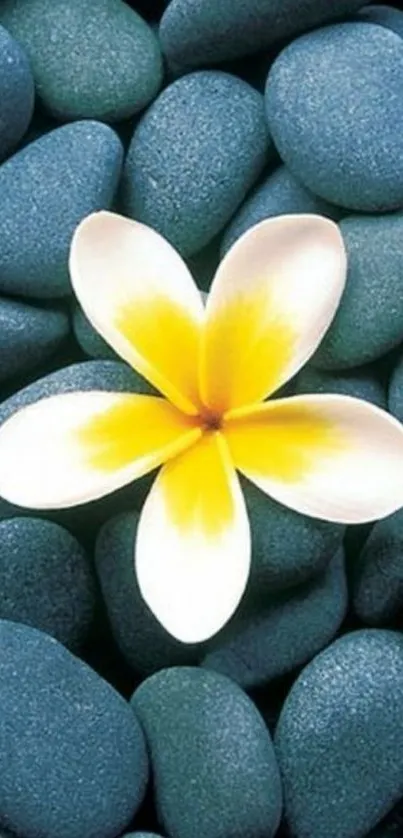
[[361, 383], [141, 835], [194, 155], [279, 194], [28, 336], [378, 574], [214, 767], [339, 739], [285, 632], [369, 320], [47, 580], [384, 16], [344, 141], [395, 395], [95, 61], [89, 340], [17, 93], [79, 763], [194, 34], [46, 189]]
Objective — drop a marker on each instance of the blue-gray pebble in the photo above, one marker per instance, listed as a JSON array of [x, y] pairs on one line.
[[384, 16], [339, 739], [28, 336], [395, 395], [98, 60], [17, 93], [214, 768], [344, 141], [279, 194], [285, 632], [369, 320], [194, 156], [46, 189], [377, 575], [47, 580], [79, 764], [361, 383], [201, 33]]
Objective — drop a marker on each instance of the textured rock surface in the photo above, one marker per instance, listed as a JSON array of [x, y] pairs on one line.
[[361, 383], [378, 574], [28, 336], [17, 93]]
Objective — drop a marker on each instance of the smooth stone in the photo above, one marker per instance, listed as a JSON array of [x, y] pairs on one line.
[[378, 574], [344, 141], [195, 34], [47, 580], [285, 632], [141, 639], [279, 194], [214, 768], [46, 189], [362, 383], [193, 157], [90, 61], [79, 763], [28, 336], [141, 835], [92, 344], [383, 16], [369, 320], [395, 395], [339, 739], [287, 548], [17, 93]]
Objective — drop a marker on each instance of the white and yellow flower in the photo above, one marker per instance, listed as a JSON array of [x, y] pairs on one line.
[[272, 300]]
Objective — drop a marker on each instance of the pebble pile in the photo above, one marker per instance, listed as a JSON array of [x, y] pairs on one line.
[[199, 118]]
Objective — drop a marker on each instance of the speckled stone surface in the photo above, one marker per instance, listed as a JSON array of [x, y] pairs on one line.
[[369, 320], [378, 574], [344, 141], [395, 394], [46, 189], [92, 344], [362, 383], [193, 157], [283, 633], [215, 773], [17, 93], [28, 335], [339, 739], [384, 16], [79, 765], [98, 60], [47, 580], [198, 33]]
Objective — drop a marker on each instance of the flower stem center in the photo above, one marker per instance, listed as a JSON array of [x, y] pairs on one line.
[[210, 420]]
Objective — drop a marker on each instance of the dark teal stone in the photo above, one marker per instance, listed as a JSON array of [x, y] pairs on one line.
[[96, 61], [17, 93], [194, 156], [279, 194], [47, 580], [384, 16], [46, 189], [361, 383], [202, 33], [395, 395], [142, 640], [339, 739], [344, 141], [28, 336], [141, 835], [92, 344], [79, 763], [369, 320], [378, 574], [284, 632], [214, 767]]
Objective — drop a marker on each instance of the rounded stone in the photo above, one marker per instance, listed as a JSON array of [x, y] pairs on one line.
[[279, 194], [46, 189], [141, 835], [284, 632], [17, 93], [88, 338], [94, 61], [28, 336], [339, 739], [369, 320], [214, 767], [79, 765], [47, 580], [377, 576], [344, 141], [384, 16], [193, 157], [360, 383], [395, 395], [195, 34]]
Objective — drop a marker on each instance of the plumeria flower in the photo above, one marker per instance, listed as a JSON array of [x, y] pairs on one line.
[[272, 299]]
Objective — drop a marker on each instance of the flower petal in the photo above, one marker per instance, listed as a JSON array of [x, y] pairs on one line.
[[139, 295], [272, 299], [193, 542], [76, 447], [333, 457]]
